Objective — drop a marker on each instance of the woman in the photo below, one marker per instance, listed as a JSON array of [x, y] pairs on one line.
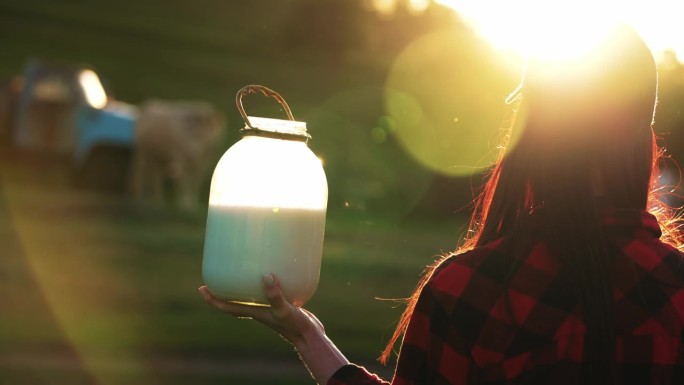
[[572, 274]]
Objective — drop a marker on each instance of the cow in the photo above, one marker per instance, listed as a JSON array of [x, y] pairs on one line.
[[175, 141]]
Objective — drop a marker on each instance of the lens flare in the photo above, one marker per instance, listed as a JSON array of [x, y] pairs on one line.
[[80, 293], [445, 94]]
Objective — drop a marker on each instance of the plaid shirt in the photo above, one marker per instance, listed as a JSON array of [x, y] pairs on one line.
[[461, 331]]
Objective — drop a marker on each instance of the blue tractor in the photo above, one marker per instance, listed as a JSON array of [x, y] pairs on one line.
[[64, 110]]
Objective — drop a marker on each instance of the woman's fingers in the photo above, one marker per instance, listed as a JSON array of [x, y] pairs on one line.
[[272, 290], [279, 305], [235, 309], [272, 316], [291, 322]]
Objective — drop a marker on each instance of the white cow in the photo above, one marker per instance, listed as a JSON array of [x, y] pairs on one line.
[[177, 142]]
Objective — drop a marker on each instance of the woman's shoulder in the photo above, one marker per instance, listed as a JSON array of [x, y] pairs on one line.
[[492, 266], [472, 257], [457, 269]]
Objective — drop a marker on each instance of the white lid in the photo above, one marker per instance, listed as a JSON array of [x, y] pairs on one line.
[[276, 126]]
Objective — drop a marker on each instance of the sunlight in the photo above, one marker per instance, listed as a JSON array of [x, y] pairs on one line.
[[417, 6], [389, 7], [553, 37], [233, 184], [660, 24], [567, 26], [92, 88], [383, 7]]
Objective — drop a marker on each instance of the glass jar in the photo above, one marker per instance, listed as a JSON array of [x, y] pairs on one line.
[[267, 207]]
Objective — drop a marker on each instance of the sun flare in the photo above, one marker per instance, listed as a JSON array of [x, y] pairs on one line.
[[561, 29]]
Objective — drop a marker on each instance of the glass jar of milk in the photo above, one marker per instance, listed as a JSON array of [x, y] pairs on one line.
[[267, 208]]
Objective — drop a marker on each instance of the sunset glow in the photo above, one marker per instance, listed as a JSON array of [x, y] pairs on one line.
[[561, 28]]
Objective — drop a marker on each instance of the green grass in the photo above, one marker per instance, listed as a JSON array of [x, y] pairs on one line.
[[110, 287], [109, 280]]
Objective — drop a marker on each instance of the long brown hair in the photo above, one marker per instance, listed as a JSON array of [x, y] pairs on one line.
[[586, 142]]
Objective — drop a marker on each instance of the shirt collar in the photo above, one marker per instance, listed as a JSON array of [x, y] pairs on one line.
[[632, 218]]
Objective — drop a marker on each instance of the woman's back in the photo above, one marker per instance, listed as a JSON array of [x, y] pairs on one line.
[[511, 320]]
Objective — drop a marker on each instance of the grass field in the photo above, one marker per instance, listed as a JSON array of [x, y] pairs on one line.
[[97, 289]]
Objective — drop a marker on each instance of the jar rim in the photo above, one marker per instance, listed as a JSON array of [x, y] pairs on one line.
[[276, 128]]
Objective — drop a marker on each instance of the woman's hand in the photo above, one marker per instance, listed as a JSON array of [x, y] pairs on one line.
[[295, 324], [291, 322]]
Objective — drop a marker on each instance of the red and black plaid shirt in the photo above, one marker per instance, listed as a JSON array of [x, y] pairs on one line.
[[462, 331]]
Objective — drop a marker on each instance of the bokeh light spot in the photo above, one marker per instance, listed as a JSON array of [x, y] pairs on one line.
[[404, 108], [387, 123], [445, 93], [378, 135], [363, 174]]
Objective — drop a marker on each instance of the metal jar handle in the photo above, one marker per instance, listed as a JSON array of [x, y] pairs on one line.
[[252, 89]]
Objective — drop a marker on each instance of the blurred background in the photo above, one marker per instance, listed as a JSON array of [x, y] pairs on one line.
[[102, 228]]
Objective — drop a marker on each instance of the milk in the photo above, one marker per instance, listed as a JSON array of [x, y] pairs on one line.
[[267, 206], [244, 243]]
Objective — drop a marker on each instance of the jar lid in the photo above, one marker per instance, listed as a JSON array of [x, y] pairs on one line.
[[278, 128], [274, 128]]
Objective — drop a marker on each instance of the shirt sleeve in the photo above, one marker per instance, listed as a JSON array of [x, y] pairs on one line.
[[355, 375]]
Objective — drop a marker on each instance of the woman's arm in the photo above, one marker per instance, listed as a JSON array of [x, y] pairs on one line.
[[300, 327]]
